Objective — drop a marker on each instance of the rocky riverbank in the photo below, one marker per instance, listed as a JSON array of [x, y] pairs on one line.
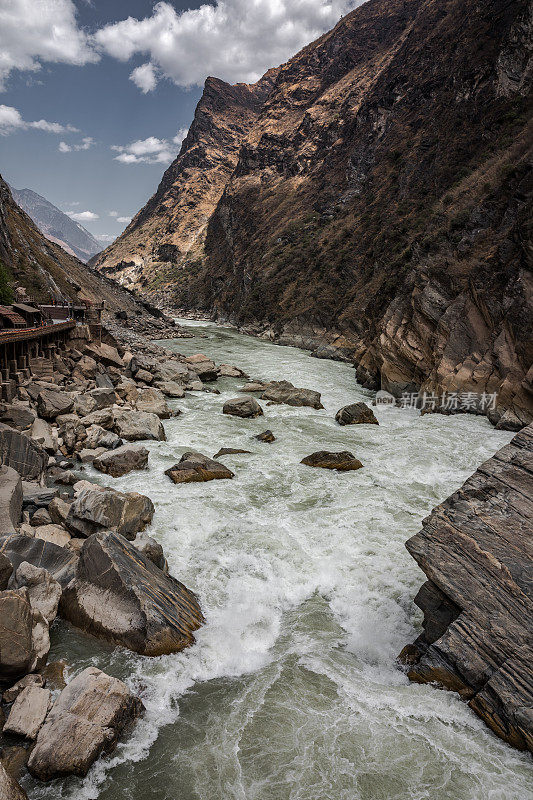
[[475, 549], [72, 548]]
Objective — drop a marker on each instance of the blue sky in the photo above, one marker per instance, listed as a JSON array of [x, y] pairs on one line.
[[96, 96]]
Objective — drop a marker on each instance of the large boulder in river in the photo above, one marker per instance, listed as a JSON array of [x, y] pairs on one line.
[[58, 561], [28, 712], [138, 425], [342, 462], [285, 392], [356, 414], [9, 788], [87, 719], [10, 500], [122, 460], [246, 407], [22, 453], [203, 366], [150, 400], [24, 639], [195, 467], [97, 508], [51, 403], [121, 596]]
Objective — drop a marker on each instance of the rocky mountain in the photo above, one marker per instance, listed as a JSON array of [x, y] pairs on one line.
[[57, 226], [371, 202], [44, 269]]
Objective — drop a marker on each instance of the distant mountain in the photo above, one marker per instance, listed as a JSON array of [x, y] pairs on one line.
[[57, 226]]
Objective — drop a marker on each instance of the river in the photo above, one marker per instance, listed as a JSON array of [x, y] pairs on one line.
[[291, 692]]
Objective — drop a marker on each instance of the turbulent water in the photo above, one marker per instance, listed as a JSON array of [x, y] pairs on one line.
[[292, 692]]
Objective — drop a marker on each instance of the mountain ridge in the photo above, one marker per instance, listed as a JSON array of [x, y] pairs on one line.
[[378, 206], [57, 226]]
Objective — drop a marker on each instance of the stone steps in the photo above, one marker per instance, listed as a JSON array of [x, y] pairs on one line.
[[41, 367]]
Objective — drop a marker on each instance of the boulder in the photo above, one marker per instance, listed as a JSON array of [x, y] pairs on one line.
[[285, 392], [105, 418], [99, 508], [10, 500], [51, 404], [104, 354], [100, 437], [203, 367], [16, 624], [138, 425], [71, 430], [150, 400], [17, 416], [195, 467], [228, 371], [143, 376], [87, 719], [41, 432], [58, 561], [22, 453], [342, 462], [254, 386], [55, 534], [40, 517], [28, 712], [13, 692], [87, 456], [170, 388], [266, 436], [9, 788], [58, 510], [120, 595], [40, 640], [122, 460], [84, 404], [103, 397], [246, 407], [6, 570], [151, 549], [356, 414], [44, 591], [172, 371], [230, 451], [34, 495]]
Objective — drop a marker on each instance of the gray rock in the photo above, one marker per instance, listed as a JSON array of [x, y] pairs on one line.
[[87, 719], [285, 392], [122, 460], [195, 467], [170, 388], [246, 407], [50, 403], [58, 510], [10, 500], [265, 436], [172, 371], [100, 437], [43, 590], [13, 692], [228, 371], [22, 453], [9, 788], [5, 571], [35, 495], [40, 640], [28, 712], [17, 416], [356, 414], [16, 624], [105, 418], [41, 432], [150, 400], [151, 549], [342, 462], [58, 561], [138, 425], [120, 595], [97, 509], [55, 534], [40, 517]]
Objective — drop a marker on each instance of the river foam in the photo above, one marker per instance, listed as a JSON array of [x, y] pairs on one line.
[[292, 692]]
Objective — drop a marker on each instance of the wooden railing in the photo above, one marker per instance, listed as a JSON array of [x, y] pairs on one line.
[[24, 334]]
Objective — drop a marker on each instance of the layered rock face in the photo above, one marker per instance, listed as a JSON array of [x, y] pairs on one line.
[[170, 230], [379, 206], [476, 549]]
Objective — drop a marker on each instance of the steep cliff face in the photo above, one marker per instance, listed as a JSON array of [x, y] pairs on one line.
[[170, 230], [29, 259], [475, 549], [380, 204]]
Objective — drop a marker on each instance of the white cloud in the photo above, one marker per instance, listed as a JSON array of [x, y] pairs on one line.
[[151, 150], [35, 31], [236, 40], [86, 143], [82, 216], [113, 213], [105, 238], [124, 219], [11, 120], [144, 77]]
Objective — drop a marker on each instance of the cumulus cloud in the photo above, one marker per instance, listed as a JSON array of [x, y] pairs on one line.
[[151, 150], [83, 216], [124, 220], [85, 144], [35, 31], [236, 40], [11, 120]]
